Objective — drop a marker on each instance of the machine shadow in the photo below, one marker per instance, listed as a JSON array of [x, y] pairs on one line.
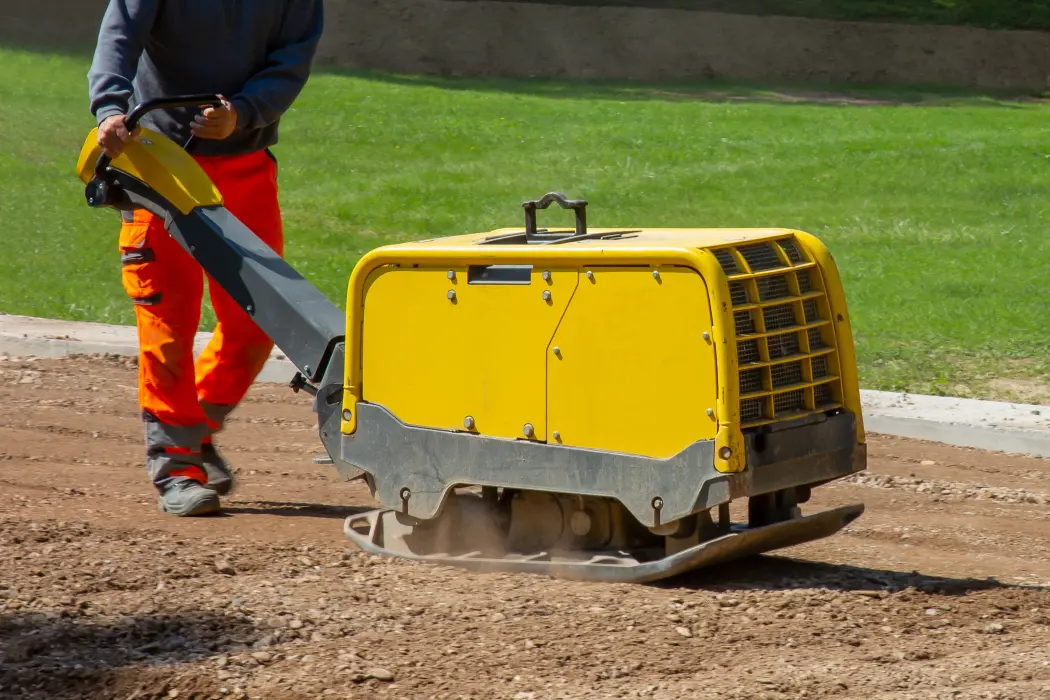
[[49, 656], [293, 510], [771, 572]]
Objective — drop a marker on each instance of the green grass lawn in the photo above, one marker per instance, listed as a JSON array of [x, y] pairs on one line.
[[935, 211]]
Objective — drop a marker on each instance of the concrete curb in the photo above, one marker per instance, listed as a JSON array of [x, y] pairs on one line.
[[25, 336], [986, 425]]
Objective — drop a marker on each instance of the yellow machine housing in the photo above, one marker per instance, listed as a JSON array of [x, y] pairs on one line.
[[642, 343]]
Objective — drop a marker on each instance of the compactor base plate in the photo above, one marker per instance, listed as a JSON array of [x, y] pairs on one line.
[[382, 532]]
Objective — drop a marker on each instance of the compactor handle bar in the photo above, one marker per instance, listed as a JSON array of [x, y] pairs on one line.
[[143, 108], [101, 191]]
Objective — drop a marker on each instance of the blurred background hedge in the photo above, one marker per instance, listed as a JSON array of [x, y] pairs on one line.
[[991, 14]]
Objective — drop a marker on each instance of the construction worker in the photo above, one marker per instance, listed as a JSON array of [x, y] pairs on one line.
[[257, 55]]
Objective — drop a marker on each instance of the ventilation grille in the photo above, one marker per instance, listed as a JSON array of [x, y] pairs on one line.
[[789, 402], [761, 257], [788, 374], [738, 293], [747, 352], [745, 323], [805, 282], [773, 288], [727, 261], [786, 369], [750, 410], [750, 381], [781, 346], [778, 317], [812, 312], [791, 250]]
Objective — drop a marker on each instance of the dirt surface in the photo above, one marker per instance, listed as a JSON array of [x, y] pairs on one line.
[[940, 591]]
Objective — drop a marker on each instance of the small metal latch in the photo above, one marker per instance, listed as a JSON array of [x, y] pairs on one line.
[[658, 505], [299, 382]]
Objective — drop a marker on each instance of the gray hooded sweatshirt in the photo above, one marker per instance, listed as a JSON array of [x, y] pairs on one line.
[[257, 53]]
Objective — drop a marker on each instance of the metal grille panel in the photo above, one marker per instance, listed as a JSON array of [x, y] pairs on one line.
[[750, 410], [791, 401], [773, 288], [786, 374], [745, 323], [727, 261], [781, 346], [812, 312], [750, 381], [778, 317], [760, 257], [792, 251], [747, 352], [738, 293]]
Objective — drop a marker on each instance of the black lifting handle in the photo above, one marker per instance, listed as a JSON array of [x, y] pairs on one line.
[[577, 205]]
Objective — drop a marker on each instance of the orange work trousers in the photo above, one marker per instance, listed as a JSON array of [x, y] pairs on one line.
[[183, 400]]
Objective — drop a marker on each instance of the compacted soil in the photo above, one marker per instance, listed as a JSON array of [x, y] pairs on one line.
[[941, 590]]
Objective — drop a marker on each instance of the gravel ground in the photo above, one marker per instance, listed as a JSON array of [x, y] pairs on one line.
[[940, 590]]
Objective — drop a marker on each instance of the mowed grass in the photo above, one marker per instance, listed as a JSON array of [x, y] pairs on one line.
[[935, 211]]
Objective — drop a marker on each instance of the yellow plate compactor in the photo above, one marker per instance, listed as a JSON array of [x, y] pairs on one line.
[[582, 403]]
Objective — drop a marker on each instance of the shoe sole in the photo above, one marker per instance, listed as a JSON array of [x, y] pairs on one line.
[[204, 506]]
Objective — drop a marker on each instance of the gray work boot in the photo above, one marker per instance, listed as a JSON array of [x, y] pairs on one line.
[[185, 497], [220, 476], [173, 462]]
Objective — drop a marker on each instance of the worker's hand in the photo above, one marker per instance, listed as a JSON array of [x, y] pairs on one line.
[[112, 135], [215, 123]]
